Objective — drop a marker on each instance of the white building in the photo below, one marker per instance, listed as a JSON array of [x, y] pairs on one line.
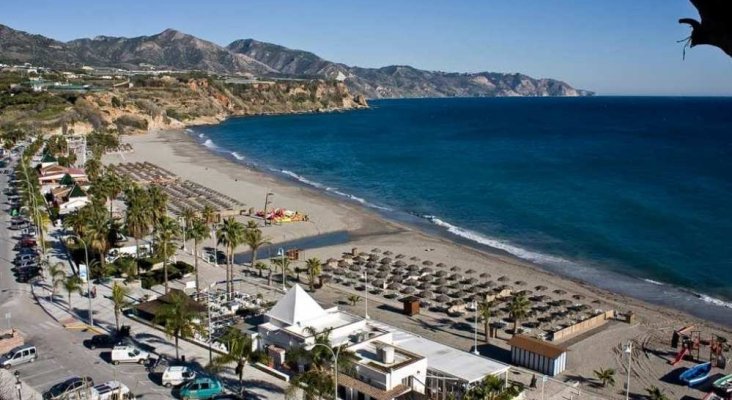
[[391, 363]]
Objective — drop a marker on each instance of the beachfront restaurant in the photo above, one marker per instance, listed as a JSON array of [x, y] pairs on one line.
[[390, 364], [538, 355]]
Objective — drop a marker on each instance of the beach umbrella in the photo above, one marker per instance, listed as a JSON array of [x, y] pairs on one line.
[[427, 262], [411, 282], [560, 292], [564, 302], [441, 265], [388, 253], [455, 285], [474, 289], [470, 271], [442, 289], [488, 284], [376, 250], [363, 254], [525, 292], [353, 275], [383, 267], [413, 267], [381, 275], [339, 272], [457, 302], [425, 285], [440, 281], [441, 274], [578, 297], [540, 288], [426, 294], [455, 277], [503, 287], [374, 257], [347, 256], [379, 283], [385, 260], [371, 264], [395, 286], [359, 260], [485, 275], [400, 255], [458, 293], [455, 269], [443, 298], [343, 264], [408, 290], [503, 279], [520, 283], [426, 278], [400, 263], [471, 281], [355, 268], [596, 301], [427, 270], [331, 261]]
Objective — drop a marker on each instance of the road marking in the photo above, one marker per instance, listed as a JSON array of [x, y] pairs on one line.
[[31, 377]]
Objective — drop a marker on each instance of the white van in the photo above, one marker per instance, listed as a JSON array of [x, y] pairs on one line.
[[174, 376], [19, 355], [128, 354], [112, 390]]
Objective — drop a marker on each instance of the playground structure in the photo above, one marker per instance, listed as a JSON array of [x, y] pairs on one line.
[[690, 340]]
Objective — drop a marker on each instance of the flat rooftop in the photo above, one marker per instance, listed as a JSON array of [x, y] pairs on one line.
[[445, 359], [368, 355], [333, 319]]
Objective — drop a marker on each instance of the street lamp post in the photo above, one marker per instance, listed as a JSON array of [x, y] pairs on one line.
[[266, 203], [185, 228], [335, 355], [474, 304], [18, 385], [629, 351], [281, 253], [366, 293], [88, 277]]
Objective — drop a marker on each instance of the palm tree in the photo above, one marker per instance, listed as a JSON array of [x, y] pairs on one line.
[[239, 349], [605, 376], [260, 266], [230, 235], [254, 239], [113, 186], [188, 214], [119, 300], [139, 216], [97, 231], [72, 284], [57, 275], [177, 318], [313, 267], [198, 231], [353, 299], [485, 312], [93, 169], [167, 232], [210, 218], [655, 393], [518, 308], [283, 263]]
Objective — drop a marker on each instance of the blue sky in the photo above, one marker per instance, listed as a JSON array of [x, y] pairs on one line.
[[612, 47]]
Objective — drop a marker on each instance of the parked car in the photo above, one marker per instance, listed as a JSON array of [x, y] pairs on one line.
[[112, 390], [203, 387], [20, 259], [19, 355], [69, 388], [128, 354], [106, 341], [176, 375]]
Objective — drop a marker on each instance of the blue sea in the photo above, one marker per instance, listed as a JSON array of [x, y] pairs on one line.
[[632, 194]]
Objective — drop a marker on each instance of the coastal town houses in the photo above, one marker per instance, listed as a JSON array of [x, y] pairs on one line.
[[390, 363], [50, 177]]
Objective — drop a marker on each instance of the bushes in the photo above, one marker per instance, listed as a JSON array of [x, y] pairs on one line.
[[157, 277], [132, 121]]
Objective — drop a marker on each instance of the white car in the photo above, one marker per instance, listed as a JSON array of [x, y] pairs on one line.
[[128, 354], [112, 390], [174, 376]]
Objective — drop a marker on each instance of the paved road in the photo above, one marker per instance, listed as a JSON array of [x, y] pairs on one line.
[[61, 352]]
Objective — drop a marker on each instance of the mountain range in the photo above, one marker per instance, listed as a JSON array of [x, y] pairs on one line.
[[173, 49]]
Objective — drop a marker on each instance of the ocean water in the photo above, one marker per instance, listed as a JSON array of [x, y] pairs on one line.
[[633, 194]]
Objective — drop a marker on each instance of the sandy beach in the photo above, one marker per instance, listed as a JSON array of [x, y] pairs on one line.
[[365, 229]]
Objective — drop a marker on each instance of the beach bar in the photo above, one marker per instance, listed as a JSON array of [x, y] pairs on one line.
[[538, 355]]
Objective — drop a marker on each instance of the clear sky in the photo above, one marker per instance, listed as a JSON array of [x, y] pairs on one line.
[[609, 46]]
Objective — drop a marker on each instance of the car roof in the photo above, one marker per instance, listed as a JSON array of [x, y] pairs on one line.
[[23, 347], [176, 368]]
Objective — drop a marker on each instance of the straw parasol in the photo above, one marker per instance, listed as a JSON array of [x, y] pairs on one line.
[[458, 294], [355, 268], [560, 292], [408, 290], [425, 285], [504, 278], [455, 268], [411, 282], [381, 275], [426, 294], [443, 298], [455, 277], [339, 272], [374, 257], [414, 258], [426, 278], [484, 275], [520, 283], [442, 289], [540, 288], [440, 281], [441, 274], [578, 297], [471, 281], [343, 264], [488, 284], [386, 260], [388, 253], [327, 268], [376, 250], [400, 255], [413, 267], [474, 289], [427, 262], [378, 283], [427, 270], [400, 263], [395, 286], [470, 271], [441, 265]]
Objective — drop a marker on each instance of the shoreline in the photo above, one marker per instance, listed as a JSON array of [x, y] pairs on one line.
[[420, 230], [603, 282]]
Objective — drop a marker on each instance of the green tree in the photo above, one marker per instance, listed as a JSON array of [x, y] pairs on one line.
[[138, 217], [606, 376], [314, 268], [260, 266], [97, 231], [198, 231], [485, 313], [167, 232], [518, 309], [188, 214], [112, 186], [231, 235], [654, 393], [93, 169], [255, 240], [178, 319], [57, 275], [119, 301], [72, 284], [157, 203], [283, 264], [238, 350], [353, 299]]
